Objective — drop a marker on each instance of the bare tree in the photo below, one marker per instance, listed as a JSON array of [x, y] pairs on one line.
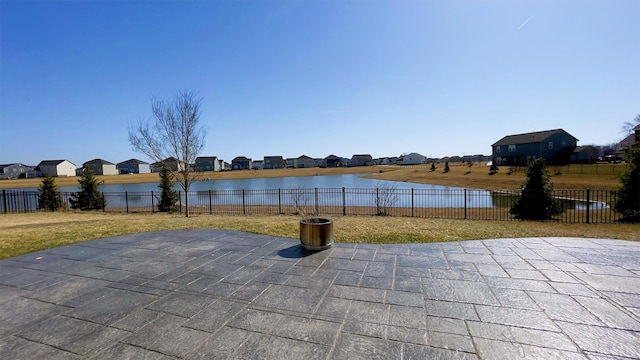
[[173, 132], [627, 126]]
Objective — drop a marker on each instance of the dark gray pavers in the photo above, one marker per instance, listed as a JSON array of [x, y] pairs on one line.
[[212, 294]]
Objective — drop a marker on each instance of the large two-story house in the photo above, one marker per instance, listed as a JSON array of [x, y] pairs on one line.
[[241, 163], [133, 166], [273, 162], [208, 163], [101, 167], [57, 168], [555, 146], [16, 170]]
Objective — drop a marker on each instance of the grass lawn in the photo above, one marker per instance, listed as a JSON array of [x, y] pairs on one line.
[[24, 233]]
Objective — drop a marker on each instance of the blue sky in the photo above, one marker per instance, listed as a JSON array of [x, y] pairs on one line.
[[315, 77]]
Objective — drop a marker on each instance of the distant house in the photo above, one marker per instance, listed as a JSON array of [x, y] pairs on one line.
[[305, 161], [555, 146], [290, 162], [57, 168], [257, 164], [133, 166], [101, 167], [413, 159], [15, 171], [393, 160], [331, 161], [584, 155], [241, 163], [171, 163], [361, 160], [273, 162], [628, 142], [207, 163]]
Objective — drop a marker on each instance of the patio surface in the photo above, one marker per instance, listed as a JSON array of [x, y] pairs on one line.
[[212, 294]]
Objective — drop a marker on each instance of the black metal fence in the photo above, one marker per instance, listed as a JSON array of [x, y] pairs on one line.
[[582, 206]]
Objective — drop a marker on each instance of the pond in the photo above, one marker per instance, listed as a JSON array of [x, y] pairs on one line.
[[325, 190]]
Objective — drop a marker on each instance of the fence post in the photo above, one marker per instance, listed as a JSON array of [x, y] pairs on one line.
[[344, 203], [153, 207], [465, 204], [180, 200], [279, 201], [244, 210], [126, 200], [24, 201], [317, 208], [412, 207], [210, 204], [4, 200], [588, 204]]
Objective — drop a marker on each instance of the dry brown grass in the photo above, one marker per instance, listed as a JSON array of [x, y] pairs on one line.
[[477, 177], [24, 233]]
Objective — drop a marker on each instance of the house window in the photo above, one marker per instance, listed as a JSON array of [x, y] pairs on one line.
[[550, 145], [497, 149], [564, 144], [512, 148]]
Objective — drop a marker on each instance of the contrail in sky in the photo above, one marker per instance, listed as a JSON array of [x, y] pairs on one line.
[[525, 22]]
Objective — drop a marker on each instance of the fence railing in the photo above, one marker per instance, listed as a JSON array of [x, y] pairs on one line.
[[582, 206]]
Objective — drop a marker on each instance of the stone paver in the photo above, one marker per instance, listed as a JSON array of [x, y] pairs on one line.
[[214, 294]]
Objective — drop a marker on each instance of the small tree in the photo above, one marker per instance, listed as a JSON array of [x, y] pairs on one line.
[[168, 197], [536, 199], [627, 202], [433, 167], [89, 198], [493, 169], [385, 197], [48, 196], [446, 167]]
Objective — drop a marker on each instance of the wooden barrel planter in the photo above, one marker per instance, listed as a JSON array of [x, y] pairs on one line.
[[316, 233]]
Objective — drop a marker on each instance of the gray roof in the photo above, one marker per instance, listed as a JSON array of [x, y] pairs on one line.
[[240, 158], [98, 161], [207, 158], [133, 161], [628, 141], [51, 162], [586, 147], [362, 156], [529, 138]]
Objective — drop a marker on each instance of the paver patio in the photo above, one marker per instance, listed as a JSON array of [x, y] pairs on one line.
[[213, 294]]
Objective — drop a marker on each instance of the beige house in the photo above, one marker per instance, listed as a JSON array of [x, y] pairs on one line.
[[57, 168]]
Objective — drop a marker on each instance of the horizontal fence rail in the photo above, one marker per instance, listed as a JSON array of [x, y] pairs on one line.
[[582, 206]]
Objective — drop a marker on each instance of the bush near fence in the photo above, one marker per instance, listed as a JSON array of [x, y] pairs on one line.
[[584, 206]]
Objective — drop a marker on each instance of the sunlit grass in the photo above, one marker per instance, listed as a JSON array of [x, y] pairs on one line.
[[24, 233]]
